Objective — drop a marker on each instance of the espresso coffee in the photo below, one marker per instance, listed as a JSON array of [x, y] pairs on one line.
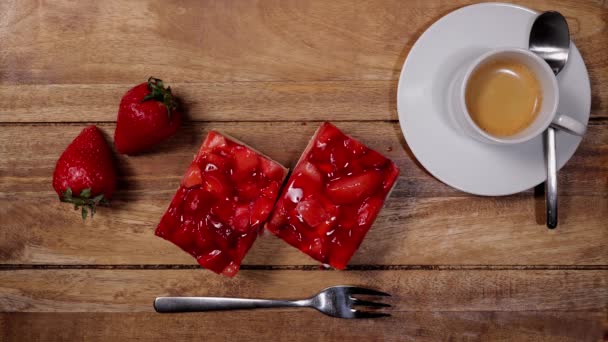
[[503, 97]]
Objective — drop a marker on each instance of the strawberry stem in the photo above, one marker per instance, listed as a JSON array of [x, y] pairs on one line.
[[158, 92], [84, 201]]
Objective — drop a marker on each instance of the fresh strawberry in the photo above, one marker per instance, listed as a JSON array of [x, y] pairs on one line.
[[214, 261], [196, 204], [209, 162], [183, 237], [192, 177], [326, 168], [356, 148], [326, 134], [248, 191], [271, 169], [372, 159], [312, 211], [368, 211], [231, 270], [311, 172], [215, 184], [316, 248], [350, 189], [271, 191], [261, 209], [214, 141], [339, 156], [147, 115], [84, 174], [245, 163], [202, 242], [241, 218], [224, 210]]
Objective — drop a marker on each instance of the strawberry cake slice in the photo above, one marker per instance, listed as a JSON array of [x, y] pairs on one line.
[[223, 200], [332, 197]]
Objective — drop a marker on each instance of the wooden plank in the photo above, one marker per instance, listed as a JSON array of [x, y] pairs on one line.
[[450, 231], [304, 326], [424, 222], [246, 101], [109, 41], [273, 62], [303, 60], [28, 154], [250, 101], [107, 290]]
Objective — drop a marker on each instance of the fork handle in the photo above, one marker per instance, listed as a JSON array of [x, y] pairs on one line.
[[198, 304]]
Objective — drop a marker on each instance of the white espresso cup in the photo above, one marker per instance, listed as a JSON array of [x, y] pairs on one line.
[[547, 114]]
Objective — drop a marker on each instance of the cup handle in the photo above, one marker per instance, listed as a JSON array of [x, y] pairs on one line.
[[569, 125]]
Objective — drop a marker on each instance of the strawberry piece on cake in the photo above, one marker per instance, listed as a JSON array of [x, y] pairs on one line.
[[332, 197], [223, 200]]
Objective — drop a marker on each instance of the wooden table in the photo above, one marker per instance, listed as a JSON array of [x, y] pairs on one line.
[[460, 267]]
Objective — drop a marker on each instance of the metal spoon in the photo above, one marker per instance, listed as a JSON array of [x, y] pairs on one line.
[[550, 40]]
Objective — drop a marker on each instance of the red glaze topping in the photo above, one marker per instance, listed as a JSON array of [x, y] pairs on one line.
[[332, 197], [224, 198]]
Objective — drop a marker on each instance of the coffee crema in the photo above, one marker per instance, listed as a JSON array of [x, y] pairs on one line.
[[503, 97]]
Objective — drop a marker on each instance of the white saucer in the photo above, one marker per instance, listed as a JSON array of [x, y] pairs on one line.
[[424, 112]]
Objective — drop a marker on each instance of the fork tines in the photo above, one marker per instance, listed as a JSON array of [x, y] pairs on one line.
[[352, 290], [357, 301]]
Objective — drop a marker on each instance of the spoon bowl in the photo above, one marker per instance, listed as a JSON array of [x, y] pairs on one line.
[[550, 40]]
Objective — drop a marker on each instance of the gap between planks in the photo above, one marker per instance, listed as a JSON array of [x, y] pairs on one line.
[[186, 123], [593, 120], [12, 267]]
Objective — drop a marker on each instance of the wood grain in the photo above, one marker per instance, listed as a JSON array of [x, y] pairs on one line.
[[266, 60], [459, 267], [412, 290], [306, 326], [338, 60], [29, 152], [230, 101], [422, 212], [193, 41], [235, 101], [432, 231]]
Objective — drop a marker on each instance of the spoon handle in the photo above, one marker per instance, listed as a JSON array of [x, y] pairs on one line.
[[551, 184]]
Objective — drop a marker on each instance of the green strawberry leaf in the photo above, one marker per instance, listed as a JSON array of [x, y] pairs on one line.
[[97, 199], [86, 193], [84, 201], [159, 93]]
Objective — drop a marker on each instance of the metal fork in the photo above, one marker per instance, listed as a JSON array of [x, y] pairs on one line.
[[336, 301]]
